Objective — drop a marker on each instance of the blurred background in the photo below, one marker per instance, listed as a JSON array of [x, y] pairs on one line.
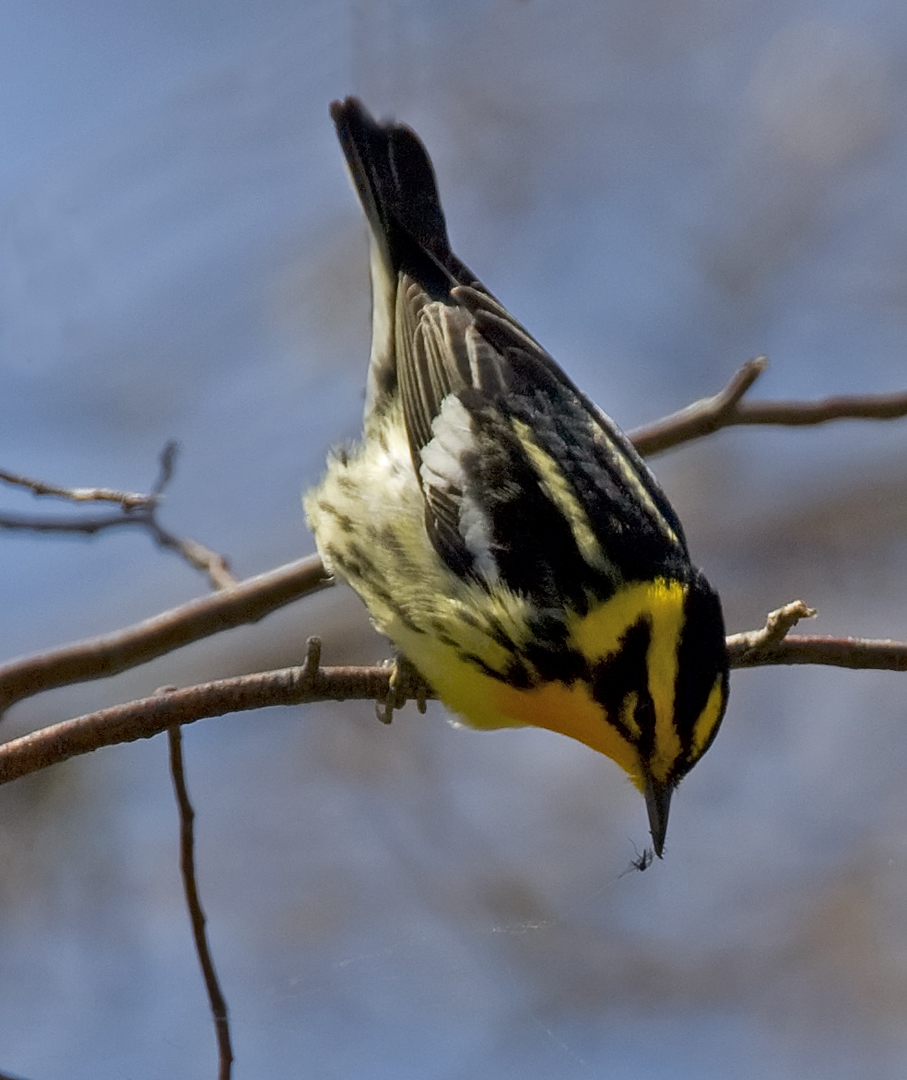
[[659, 191]]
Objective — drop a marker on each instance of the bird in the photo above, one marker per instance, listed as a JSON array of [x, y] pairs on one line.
[[500, 528]]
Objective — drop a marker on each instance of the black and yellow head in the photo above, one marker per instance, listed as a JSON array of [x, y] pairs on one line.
[[642, 677], [664, 691]]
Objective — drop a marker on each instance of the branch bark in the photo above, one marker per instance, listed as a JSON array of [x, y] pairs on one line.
[[728, 409], [135, 511], [147, 717], [100, 657], [864, 654], [216, 1000]]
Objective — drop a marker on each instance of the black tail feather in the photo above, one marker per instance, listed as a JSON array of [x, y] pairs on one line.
[[396, 185]]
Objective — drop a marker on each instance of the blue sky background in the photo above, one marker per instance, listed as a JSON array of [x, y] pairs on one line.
[[658, 192]]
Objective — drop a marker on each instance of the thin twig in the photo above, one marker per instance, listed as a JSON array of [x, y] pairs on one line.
[[129, 500], [216, 998], [805, 413], [100, 657], [773, 644], [218, 571], [140, 511], [136, 511], [727, 409], [191, 551], [85, 525], [778, 625], [212, 563], [859, 654], [701, 417]]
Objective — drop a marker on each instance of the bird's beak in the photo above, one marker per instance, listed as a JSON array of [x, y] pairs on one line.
[[658, 803]]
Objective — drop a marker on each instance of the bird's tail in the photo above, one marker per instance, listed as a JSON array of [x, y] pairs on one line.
[[396, 185]]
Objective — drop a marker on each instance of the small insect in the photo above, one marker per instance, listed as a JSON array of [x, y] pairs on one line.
[[642, 861]]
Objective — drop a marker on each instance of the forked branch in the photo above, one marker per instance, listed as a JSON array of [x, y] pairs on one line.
[[134, 511], [728, 409]]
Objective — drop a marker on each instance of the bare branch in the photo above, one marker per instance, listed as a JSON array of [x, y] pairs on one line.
[[774, 645], [302, 685], [197, 555], [147, 717], [702, 417], [805, 413], [777, 625], [727, 409], [87, 526], [864, 654], [136, 511], [216, 998], [127, 499], [216, 566], [100, 657]]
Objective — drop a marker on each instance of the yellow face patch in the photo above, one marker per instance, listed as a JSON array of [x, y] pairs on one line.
[[599, 634], [667, 625], [708, 719]]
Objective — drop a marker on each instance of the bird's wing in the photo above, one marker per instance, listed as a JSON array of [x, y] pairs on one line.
[[522, 474]]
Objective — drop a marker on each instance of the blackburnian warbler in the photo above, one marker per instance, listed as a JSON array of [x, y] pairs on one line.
[[500, 528]]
